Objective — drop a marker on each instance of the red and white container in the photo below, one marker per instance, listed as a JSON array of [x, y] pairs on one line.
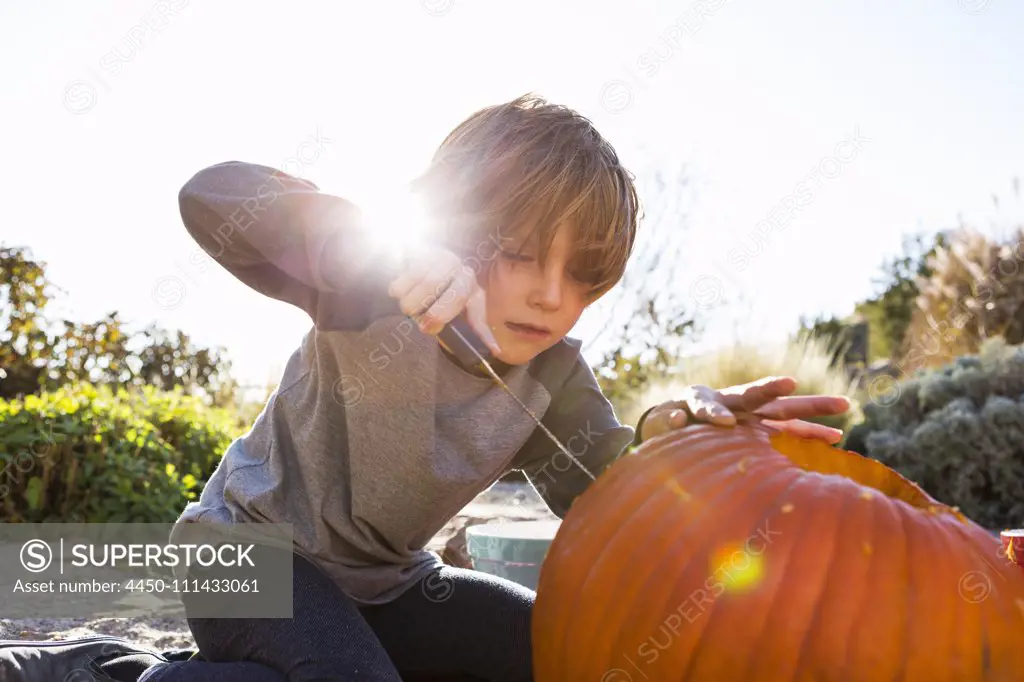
[[1013, 545]]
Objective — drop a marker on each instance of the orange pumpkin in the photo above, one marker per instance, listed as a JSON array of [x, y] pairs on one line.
[[716, 554]]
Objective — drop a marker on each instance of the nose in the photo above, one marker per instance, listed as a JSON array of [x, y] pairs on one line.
[[548, 289]]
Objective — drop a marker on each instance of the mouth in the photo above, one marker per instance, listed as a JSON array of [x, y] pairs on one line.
[[530, 330]]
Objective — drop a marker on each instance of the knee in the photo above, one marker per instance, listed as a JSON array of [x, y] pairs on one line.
[[501, 610]]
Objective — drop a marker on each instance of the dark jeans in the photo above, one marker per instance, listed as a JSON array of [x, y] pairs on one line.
[[456, 624]]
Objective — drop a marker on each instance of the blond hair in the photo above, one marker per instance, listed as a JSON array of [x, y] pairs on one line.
[[520, 170]]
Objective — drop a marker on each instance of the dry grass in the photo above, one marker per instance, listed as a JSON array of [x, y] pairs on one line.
[[807, 361]]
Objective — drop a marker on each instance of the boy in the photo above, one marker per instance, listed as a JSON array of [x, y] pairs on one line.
[[376, 436]]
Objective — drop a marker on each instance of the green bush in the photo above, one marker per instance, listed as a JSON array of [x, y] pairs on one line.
[[90, 454], [198, 433], [958, 432]]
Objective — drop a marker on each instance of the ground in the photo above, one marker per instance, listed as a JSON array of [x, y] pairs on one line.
[[503, 502]]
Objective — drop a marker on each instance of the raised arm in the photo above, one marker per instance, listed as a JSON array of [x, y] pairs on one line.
[[277, 233]]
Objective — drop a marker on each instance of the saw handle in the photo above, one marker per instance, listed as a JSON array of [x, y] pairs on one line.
[[462, 347]]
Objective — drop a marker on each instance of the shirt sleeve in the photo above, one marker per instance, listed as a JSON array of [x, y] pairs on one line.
[[277, 233], [584, 421]]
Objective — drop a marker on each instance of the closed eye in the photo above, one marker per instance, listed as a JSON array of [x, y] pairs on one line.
[[517, 257]]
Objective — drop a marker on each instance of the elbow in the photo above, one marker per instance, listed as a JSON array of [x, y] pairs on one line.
[[190, 189], [191, 193], [205, 181], [193, 210], [198, 204], [187, 197], [203, 193]]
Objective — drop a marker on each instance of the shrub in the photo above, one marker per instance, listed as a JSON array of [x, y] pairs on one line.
[[89, 454], [974, 291], [197, 433], [806, 359], [958, 432]]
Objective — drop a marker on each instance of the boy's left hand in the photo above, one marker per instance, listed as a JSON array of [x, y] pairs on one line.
[[769, 398]]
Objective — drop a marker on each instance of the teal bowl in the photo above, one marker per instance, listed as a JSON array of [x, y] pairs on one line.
[[513, 550]]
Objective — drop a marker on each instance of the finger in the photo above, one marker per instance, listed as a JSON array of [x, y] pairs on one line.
[[750, 396], [706, 406], [663, 419], [428, 290], [801, 407], [413, 271], [448, 305], [805, 429], [443, 311], [476, 315]]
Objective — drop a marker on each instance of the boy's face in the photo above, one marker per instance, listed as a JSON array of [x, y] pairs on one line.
[[530, 309]]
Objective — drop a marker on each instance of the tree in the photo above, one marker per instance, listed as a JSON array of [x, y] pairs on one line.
[[830, 330], [38, 353], [889, 313], [24, 346], [943, 296], [650, 318], [974, 292]]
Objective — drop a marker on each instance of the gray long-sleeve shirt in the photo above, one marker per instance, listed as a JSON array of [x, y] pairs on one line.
[[374, 437]]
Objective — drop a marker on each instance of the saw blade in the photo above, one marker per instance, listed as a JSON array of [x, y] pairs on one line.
[[452, 332], [482, 361]]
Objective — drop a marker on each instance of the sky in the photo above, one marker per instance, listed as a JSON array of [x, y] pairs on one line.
[[811, 135]]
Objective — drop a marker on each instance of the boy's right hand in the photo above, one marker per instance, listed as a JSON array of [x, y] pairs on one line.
[[435, 287]]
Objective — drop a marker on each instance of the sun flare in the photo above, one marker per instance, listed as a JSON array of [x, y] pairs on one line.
[[394, 216]]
